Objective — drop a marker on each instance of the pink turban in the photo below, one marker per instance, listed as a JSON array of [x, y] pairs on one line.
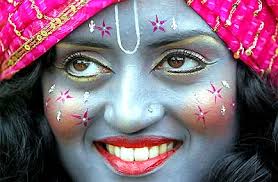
[[28, 28]]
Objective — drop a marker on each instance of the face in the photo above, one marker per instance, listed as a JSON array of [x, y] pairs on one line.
[[143, 91]]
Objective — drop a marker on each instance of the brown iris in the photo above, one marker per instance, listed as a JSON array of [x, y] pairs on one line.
[[80, 65], [175, 62]]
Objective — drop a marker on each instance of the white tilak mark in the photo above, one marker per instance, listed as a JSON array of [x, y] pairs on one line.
[[52, 88], [136, 28], [174, 25], [223, 110], [59, 116], [92, 26], [226, 84], [86, 97]]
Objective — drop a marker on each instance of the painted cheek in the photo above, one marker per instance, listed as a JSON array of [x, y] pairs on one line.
[[66, 114], [210, 112]]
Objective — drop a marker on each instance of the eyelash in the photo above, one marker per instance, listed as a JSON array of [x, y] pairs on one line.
[[188, 54]]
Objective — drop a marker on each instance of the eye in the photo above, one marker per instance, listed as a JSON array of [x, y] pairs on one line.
[[85, 65], [181, 61]]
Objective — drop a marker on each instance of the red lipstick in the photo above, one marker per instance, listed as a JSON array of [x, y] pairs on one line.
[[136, 168]]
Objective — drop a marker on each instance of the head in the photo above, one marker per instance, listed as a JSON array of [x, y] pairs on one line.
[[137, 93], [137, 103]]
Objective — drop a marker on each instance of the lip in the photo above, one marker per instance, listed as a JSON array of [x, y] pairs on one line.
[[135, 168]]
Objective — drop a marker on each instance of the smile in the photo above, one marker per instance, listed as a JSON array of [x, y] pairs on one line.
[[136, 156]]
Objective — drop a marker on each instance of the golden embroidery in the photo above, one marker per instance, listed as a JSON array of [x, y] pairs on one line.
[[274, 37], [234, 7], [248, 51], [17, 32], [215, 28], [260, 7], [189, 2], [269, 69], [239, 52], [43, 34]]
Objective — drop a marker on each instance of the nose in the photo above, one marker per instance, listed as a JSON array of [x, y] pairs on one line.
[[133, 108]]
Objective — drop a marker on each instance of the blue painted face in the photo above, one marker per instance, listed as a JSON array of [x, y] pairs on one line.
[[143, 89]]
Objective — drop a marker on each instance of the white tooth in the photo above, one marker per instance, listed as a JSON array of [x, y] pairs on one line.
[[170, 146], [127, 154], [162, 148], [110, 149], [117, 151], [141, 154], [153, 152]]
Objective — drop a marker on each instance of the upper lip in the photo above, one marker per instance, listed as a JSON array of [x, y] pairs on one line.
[[138, 142]]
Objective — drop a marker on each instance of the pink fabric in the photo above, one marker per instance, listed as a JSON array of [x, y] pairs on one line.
[[242, 24], [26, 21]]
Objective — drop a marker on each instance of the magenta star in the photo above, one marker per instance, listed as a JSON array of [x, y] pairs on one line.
[[215, 92], [83, 118], [201, 115], [64, 96], [104, 30], [158, 25]]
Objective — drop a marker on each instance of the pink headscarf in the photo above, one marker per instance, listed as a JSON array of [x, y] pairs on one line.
[[28, 28]]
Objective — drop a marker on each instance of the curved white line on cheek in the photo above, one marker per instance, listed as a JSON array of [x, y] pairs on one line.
[[136, 28]]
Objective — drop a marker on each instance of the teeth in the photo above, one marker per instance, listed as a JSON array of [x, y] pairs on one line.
[[117, 151], [162, 148], [127, 154], [154, 152], [170, 146], [141, 154], [110, 148]]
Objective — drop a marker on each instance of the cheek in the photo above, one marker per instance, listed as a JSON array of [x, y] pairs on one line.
[[211, 110], [67, 114]]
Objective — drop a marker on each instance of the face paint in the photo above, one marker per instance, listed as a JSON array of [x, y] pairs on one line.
[[52, 88], [104, 29], [59, 116], [223, 110], [158, 24], [154, 95], [137, 29], [174, 25], [225, 84], [64, 96], [216, 92], [92, 26], [201, 116], [86, 97], [83, 119]]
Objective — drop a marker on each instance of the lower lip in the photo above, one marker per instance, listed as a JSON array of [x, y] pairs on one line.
[[135, 168]]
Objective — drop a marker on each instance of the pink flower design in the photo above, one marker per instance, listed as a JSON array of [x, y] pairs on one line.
[[83, 118], [215, 92], [104, 30], [157, 24], [64, 96], [201, 115]]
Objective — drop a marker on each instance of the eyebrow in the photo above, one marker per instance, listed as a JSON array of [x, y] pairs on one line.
[[86, 43], [182, 36]]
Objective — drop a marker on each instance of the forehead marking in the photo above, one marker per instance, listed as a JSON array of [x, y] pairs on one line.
[[136, 28]]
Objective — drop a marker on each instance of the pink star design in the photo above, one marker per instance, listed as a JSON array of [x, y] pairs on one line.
[[83, 118], [215, 92], [104, 30], [201, 115], [64, 96], [158, 25]]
